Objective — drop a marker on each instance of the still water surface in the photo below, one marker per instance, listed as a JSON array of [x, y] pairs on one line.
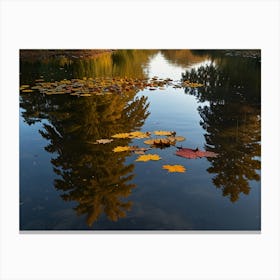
[[68, 184]]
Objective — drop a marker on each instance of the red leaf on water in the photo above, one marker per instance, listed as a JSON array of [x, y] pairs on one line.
[[187, 153], [191, 153]]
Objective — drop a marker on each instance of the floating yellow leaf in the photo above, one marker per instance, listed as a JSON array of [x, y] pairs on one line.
[[174, 168], [121, 135], [148, 157], [134, 134], [27, 90], [149, 141], [85, 94], [121, 149], [162, 132], [24, 86], [192, 85], [161, 142], [139, 134]]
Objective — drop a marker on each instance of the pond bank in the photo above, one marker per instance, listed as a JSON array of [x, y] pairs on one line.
[[34, 54]]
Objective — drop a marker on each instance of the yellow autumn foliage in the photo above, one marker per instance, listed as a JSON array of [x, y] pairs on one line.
[[148, 157], [121, 135], [192, 85], [121, 149], [162, 132], [134, 134], [27, 90], [174, 168], [139, 134]]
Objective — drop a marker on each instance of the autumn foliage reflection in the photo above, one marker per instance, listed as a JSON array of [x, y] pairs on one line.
[[231, 121], [90, 174]]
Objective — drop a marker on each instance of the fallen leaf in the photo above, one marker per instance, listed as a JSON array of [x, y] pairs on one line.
[[193, 154], [121, 149], [149, 141], [139, 151], [148, 157], [121, 135], [160, 142], [104, 141], [206, 154], [174, 168], [27, 90], [166, 133], [85, 94], [139, 134], [192, 85], [102, 85], [134, 134]]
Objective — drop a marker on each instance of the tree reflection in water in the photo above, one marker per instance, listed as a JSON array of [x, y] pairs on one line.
[[89, 174], [231, 121]]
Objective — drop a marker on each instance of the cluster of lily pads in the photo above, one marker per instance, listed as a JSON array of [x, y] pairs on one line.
[[170, 139], [102, 86]]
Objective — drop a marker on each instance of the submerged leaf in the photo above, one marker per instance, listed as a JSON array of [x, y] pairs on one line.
[[193, 154], [148, 157], [139, 151], [174, 168], [206, 154]]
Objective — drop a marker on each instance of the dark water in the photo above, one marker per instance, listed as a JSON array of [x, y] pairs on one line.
[[68, 184]]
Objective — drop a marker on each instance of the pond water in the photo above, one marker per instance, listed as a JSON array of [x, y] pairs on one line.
[[69, 183]]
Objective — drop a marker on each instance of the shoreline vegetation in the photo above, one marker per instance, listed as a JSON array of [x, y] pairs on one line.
[[38, 54]]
